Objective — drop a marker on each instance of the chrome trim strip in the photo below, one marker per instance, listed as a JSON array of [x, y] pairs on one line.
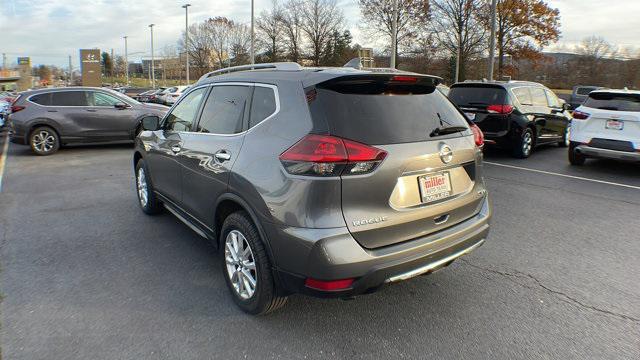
[[433, 265], [186, 222]]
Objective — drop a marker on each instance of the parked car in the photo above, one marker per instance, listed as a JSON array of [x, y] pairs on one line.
[[316, 181], [48, 118], [161, 97], [580, 94], [173, 95], [514, 115], [147, 96], [607, 125]]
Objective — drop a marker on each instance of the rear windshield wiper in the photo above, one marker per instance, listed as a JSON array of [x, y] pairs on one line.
[[446, 130]]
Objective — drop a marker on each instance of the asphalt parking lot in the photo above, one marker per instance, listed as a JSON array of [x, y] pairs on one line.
[[86, 275]]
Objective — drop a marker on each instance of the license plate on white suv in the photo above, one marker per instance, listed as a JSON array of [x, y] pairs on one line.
[[614, 125], [435, 187]]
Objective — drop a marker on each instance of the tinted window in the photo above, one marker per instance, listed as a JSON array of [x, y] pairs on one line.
[[523, 95], [538, 97], [615, 102], [69, 98], [378, 119], [584, 90], [262, 105], [102, 99], [477, 95], [553, 100], [224, 110], [182, 116], [41, 99]]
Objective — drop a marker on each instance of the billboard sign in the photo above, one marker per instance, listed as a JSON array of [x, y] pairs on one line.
[[90, 67], [24, 61]]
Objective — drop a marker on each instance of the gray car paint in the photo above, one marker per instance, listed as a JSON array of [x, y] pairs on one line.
[[303, 220], [81, 124]]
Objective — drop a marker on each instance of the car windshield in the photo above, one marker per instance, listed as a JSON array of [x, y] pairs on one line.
[[614, 101]]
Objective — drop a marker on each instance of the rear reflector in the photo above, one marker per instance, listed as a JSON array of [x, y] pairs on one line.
[[333, 285], [324, 155], [579, 115], [500, 109], [478, 136]]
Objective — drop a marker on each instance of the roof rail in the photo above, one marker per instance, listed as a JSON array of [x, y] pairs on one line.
[[283, 66]]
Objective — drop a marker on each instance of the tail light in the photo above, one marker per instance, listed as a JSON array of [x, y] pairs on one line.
[[500, 109], [478, 136], [324, 155], [579, 115], [333, 285], [16, 108]]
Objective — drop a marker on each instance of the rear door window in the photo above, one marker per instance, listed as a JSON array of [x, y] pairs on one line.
[[224, 110], [375, 113], [538, 97], [613, 101], [483, 96], [69, 98], [263, 105], [523, 95], [41, 99]]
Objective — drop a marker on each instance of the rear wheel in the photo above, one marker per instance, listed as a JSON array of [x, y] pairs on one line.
[[524, 147], [147, 199], [44, 141], [574, 157], [246, 266]]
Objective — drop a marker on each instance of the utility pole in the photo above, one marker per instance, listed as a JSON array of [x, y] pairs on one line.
[[126, 59], [186, 37], [394, 35], [457, 77], [153, 68], [253, 36], [70, 72], [492, 41], [111, 67]]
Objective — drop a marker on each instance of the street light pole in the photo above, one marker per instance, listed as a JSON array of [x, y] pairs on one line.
[[492, 41], [394, 34], [126, 59], [186, 37], [253, 35], [153, 68]]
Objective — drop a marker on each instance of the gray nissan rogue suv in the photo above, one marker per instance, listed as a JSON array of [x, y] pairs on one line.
[[330, 182]]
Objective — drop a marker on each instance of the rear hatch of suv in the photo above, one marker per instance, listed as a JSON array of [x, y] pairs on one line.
[[425, 182], [611, 119], [485, 104]]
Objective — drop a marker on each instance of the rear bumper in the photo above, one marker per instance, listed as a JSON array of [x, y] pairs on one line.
[[589, 151], [339, 256]]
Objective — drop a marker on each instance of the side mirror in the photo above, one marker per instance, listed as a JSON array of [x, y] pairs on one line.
[[120, 106], [151, 123]]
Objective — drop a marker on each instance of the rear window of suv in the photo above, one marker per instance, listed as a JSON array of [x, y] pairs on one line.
[[376, 113], [585, 90], [474, 95], [613, 101]]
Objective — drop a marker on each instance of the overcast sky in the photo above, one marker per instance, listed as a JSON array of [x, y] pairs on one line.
[[50, 30]]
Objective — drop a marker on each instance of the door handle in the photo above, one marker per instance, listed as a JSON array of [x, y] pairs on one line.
[[52, 110], [92, 110], [222, 156]]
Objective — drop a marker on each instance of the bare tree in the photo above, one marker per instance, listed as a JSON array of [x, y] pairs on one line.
[[321, 18], [457, 27], [412, 21], [270, 29], [596, 47], [218, 34], [239, 43], [199, 48], [291, 20]]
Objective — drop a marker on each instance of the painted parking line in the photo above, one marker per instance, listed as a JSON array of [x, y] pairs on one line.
[[3, 157], [563, 175]]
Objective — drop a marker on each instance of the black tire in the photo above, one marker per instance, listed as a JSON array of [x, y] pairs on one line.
[[151, 205], [524, 147], [565, 138], [574, 157], [266, 297], [44, 141]]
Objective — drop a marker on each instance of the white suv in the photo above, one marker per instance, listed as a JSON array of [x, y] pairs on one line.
[[607, 125]]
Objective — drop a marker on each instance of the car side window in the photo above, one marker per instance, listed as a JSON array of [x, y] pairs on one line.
[[263, 105], [69, 98], [41, 99], [552, 99], [102, 99], [183, 115], [224, 110], [538, 97], [523, 95]]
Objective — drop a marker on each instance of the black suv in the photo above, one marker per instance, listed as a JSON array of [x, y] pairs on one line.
[[516, 115]]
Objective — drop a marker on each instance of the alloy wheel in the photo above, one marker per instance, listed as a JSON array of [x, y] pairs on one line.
[[240, 263], [527, 142], [142, 188], [43, 141]]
